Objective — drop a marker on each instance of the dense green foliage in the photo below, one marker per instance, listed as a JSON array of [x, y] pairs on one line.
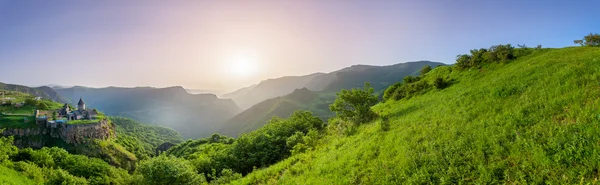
[[54, 166], [355, 105], [222, 159], [495, 54], [164, 170], [142, 139], [533, 120]]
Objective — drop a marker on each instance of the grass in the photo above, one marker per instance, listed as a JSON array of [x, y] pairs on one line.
[[16, 121], [80, 122], [11, 177], [531, 121]]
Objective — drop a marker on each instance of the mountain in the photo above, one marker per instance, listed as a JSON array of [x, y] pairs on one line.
[[44, 91], [317, 100], [533, 120], [271, 88], [192, 115], [259, 114]]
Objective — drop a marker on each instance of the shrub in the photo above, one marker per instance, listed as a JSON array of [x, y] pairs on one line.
[[390, 91], [168, 170], [59, 176], [439, 83], [496, 53], [355, 105], [30, 170], [425, 69]]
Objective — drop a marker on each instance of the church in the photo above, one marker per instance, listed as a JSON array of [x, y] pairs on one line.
[[80, 114]]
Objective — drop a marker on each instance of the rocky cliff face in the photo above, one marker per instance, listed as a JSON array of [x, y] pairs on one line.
[[70, 134]]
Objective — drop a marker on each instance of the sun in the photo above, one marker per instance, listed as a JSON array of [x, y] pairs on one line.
[[244, 66]]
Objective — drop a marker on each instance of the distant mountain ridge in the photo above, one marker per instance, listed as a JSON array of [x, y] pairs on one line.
[[193, 115], [270, 88], [43, 91], [346, 78], [316, 94]]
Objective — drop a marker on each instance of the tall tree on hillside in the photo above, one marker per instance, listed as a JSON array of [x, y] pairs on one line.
[[592, 40], [355, 105], [580, 42]]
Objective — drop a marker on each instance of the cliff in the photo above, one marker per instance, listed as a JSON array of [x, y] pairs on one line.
[[70, 134]]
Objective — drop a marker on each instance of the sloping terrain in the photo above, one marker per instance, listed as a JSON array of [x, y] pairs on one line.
[[530, 121], [318, 102], [259, 114], [347, 78], [43, 91], [192, 115]]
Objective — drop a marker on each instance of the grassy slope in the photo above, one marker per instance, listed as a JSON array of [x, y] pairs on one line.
[[532, 120], [11, 177]]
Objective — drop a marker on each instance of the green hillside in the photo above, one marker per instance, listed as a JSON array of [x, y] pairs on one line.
[[529, 121], [260, 114], [319, 93], [43, 91]]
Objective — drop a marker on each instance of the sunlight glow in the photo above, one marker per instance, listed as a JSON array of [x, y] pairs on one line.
[[243, 66]]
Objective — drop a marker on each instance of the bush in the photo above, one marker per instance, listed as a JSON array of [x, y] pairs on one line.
[[30, 170], [390, 91], [168, 170], [496, 53], [355, 105], [7, 148], [59, 176], [439, 83], [425, 69]]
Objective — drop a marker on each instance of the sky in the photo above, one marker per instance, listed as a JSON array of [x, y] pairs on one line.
[[223, 45]]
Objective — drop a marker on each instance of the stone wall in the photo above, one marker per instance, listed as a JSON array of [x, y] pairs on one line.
[[70, 134]]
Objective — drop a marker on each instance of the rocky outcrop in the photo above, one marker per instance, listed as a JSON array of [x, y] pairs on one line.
[[70, 134]]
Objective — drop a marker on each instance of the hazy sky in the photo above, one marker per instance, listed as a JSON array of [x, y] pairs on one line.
[[225, 45]]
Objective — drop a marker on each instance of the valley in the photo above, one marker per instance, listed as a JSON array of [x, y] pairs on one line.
[[299, 92]]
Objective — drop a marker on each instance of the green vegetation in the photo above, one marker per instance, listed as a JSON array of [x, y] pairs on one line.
[[316, 96], [83, 121], [589, 40], [355, 105], [531, 120], [168, 170], [9, 121], [221, 159], [143, 139]]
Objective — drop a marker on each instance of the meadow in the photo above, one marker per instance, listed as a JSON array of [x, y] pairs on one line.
[[529, 121]]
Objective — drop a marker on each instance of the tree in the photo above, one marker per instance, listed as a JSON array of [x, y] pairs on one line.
[[168, 170], [54, 115], [580, 42], [7, 148], [425, 70], [592, 40], [31, 102], [355, 105]]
